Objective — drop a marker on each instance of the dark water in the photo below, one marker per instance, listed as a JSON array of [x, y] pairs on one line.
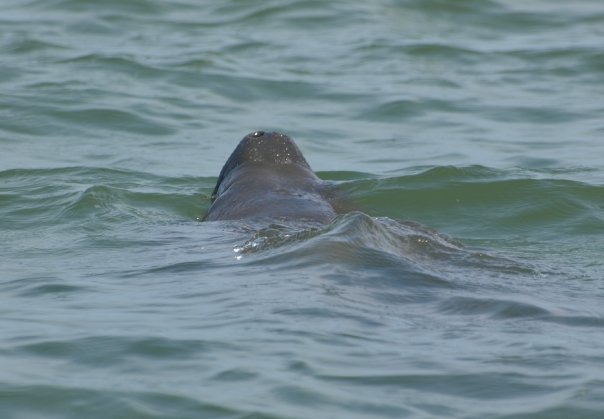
[[469, 284]]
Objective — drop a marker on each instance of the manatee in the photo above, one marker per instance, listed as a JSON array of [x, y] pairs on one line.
[[267, 177]]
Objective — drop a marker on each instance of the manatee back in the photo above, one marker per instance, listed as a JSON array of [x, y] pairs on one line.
[[270, 148]]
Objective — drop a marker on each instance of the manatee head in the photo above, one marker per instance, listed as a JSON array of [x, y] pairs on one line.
[[260, 147]]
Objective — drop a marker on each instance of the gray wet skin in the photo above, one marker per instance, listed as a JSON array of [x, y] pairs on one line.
[[267, 177]]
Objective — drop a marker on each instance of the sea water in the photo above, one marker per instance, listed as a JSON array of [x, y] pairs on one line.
[[468, 283]]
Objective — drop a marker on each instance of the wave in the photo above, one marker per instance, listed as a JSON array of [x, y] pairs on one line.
[[68, 195], [488, 200]]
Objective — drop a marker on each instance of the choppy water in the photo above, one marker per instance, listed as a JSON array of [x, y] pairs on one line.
[[470, 284]]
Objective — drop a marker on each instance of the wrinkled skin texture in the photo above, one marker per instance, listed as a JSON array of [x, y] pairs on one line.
[[267, 177]]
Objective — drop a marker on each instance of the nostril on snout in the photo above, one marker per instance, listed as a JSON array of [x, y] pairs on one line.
[[258, 134]]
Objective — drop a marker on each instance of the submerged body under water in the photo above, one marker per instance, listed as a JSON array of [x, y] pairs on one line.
[[467, 283]]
